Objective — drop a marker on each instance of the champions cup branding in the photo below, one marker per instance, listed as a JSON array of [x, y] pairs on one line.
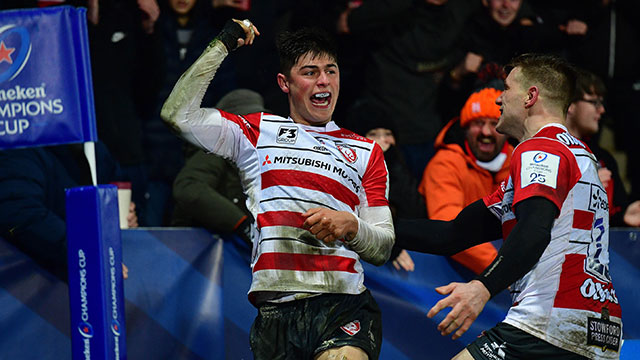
[[85, 328], [95, 273], [13, 38], [46, 92], [21, 104], [115, 325]]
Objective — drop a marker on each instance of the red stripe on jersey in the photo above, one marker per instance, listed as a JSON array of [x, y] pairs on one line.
[[496, 197], [578, 290], [311, 181], [375, 179], [582, 219], [249, 124], [280, 218], [304, 262]]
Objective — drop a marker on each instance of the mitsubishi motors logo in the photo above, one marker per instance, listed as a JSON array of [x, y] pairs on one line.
[[266, 161]]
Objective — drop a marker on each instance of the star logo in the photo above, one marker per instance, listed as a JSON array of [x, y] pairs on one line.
[[5, 53]]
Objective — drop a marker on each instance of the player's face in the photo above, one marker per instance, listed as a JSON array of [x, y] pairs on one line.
[[484, 141], [584, 115], [313, 87], [512, 109]]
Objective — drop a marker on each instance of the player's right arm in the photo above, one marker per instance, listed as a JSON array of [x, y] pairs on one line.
[[181, 111]]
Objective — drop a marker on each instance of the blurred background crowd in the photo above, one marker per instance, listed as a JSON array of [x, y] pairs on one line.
[[407, 68]]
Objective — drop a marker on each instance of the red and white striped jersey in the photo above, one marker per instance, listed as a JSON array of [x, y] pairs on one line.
[[567, 298], [286, 169]]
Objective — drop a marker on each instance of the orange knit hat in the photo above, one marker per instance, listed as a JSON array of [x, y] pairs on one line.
[[481, 103]]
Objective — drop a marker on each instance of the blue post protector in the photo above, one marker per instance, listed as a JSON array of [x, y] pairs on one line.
[[96, 293]]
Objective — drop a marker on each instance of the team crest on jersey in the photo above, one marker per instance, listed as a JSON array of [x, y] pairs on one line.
[[351, 328], [287, 134], [348, 153]]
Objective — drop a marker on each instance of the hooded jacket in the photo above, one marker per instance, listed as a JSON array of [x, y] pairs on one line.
[[453, 180]]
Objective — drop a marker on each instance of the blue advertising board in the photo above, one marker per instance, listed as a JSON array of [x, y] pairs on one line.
[[96, 295], [46, 93], [186, 299]]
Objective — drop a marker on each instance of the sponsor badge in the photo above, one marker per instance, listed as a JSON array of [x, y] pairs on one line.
[[539, 167], [287, 135], [603, 332]]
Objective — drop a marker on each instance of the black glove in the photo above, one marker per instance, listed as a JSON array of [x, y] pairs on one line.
[[231, 32]]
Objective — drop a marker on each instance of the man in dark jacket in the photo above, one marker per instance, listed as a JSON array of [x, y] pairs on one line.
[[208, 191], [411, 44], [32, 198]]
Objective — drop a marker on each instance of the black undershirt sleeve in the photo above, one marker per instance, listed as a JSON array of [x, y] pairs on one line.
[[474, 225], [524, 246]]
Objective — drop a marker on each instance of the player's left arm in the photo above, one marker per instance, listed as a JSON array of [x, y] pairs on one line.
[[369, 233]]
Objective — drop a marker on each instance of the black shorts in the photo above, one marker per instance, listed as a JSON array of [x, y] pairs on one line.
[[303, 328], [506, 342]]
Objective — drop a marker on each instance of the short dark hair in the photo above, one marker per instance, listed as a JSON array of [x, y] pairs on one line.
[[588, 83], [292, 45], [555, 75]]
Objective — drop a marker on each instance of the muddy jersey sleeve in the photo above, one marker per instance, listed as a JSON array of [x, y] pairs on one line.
[[375, 236], [210, 129]]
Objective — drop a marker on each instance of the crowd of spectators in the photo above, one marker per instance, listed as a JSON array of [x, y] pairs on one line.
[[407, 66]]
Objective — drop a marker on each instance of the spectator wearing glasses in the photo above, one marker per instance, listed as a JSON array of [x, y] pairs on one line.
[[583, 121]]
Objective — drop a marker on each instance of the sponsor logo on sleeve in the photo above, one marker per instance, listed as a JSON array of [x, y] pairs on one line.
[[539, 167]]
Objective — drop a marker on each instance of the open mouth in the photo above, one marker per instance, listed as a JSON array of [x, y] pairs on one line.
[[486, 144], [321, 99], [505, 14]]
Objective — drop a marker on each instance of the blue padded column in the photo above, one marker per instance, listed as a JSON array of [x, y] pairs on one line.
[[95, 273]]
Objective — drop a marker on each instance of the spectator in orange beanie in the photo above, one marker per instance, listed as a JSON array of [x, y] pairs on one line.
[[471, 161]]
